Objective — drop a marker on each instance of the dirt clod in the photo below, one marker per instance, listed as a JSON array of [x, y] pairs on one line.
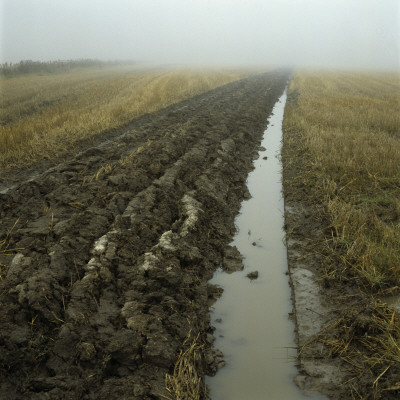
[[252, 275]]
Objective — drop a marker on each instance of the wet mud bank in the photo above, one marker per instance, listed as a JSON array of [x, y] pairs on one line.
[[105, 259]]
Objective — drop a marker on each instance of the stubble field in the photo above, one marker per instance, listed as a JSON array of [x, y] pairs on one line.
[[341, 171], [45, 116]]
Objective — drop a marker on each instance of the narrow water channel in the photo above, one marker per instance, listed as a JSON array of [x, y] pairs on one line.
[[253, 328]]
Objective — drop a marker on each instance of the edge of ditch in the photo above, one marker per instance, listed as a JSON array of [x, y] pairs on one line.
[[318, 375]]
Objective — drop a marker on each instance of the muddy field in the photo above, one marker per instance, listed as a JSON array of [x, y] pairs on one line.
[[105, 264]]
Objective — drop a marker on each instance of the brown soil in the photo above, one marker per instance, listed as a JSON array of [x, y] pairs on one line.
[[107, 277]]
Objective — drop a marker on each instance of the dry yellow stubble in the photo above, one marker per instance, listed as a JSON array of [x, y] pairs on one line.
[[44, 116]]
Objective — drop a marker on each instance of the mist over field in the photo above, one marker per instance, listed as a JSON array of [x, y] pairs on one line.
[[330, 33]]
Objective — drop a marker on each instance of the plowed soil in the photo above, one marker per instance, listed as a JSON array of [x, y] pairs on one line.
[[106, 269]]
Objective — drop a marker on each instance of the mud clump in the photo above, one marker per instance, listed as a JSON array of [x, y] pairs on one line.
[[105, 277], [233, 260], [252, 275]]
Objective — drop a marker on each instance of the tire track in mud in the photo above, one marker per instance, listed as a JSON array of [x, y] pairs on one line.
[[109, 272]]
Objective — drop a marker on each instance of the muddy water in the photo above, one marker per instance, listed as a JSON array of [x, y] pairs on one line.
[[253, 328]]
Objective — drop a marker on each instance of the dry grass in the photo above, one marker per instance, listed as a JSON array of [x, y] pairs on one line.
[[350, 127], [185, 382], [346, 127], [368, 340], [44, 116]]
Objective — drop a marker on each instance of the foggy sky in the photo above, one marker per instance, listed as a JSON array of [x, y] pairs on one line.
[[334, 33]]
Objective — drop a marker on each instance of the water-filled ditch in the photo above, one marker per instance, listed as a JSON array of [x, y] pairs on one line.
[[252, 318]]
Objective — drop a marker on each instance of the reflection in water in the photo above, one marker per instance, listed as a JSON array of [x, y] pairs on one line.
[[255, 334]]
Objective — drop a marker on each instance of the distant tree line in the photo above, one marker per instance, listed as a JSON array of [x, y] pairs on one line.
[[51, 67]]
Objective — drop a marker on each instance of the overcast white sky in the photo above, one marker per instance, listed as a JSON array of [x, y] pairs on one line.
[[338, 33]]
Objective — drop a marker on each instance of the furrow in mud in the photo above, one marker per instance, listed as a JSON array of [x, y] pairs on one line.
[[109, 254]]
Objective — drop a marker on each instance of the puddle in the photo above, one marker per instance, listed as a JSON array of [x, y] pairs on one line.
[[255, 333]]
